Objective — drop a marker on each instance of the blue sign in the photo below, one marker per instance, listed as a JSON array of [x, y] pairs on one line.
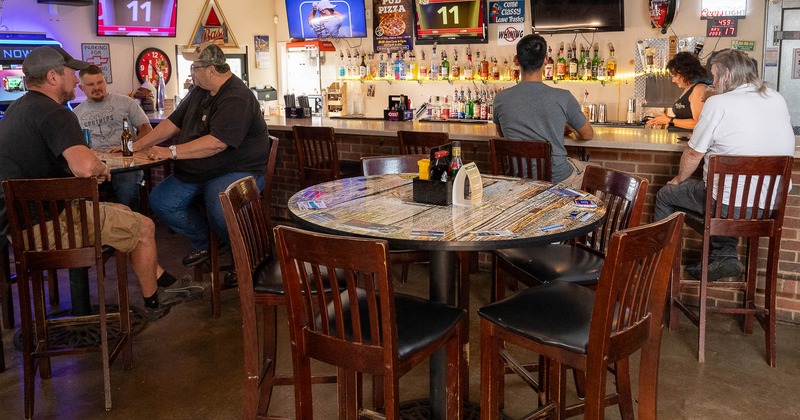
[[507, 11]]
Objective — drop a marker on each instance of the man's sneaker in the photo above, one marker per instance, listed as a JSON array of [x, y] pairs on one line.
[[184, 289], [195, 257], [152, 314], [230, 279], [717, 269]]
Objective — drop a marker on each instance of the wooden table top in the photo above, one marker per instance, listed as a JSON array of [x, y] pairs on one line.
[[119, 164], [382, 207]]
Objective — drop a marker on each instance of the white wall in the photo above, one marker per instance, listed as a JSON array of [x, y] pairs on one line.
[[74, 25]]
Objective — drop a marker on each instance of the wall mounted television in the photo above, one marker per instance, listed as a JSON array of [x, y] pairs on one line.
[[451, 21], [156, 18], [326, 19], [553, 16]]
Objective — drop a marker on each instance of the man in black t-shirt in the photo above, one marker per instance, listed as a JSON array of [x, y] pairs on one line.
[[220, 137], [41, 138]]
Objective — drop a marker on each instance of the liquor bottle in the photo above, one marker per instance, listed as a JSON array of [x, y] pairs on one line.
[[445, 67], [595, 63], [573, 64], [349, 69], [434, 70], [484, 67], [495, 69], [455, 105], [445, 109], [462, 105], [585, 64], [548, 67], [436, 111], [423, 67], [362, 68], [585, 104], [611, 63], [373, 66], [127, 138], [515, 71], [561, 64], [469, 107], [398, 66], [407, 74], [455, 162], [161, 92], [505, 72], [381, 67], [414, 67], [342, 69], [468, 66], [455, 68]]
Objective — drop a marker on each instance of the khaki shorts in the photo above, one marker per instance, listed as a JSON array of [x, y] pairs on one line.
[[119, 228], [578, 169]]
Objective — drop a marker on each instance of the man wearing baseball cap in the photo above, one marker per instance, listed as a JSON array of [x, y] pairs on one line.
[[41, 138], [220, 137], [324, 20]]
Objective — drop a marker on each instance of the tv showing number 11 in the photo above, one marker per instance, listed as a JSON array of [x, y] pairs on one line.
[[448, 16]]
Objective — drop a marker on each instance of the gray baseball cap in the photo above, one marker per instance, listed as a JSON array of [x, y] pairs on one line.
[[208, 52], [45, 58]]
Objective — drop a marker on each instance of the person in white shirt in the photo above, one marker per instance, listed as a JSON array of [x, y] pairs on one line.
[[745, 117], [102, 114]]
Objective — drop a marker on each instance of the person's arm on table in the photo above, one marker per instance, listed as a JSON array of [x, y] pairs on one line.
[[689, 161], [85, 164], [163, 131], [200, 147], [584, 133]]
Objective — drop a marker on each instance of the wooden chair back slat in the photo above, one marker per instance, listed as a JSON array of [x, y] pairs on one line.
[[521, 158], [420, 142], [383, 165], [317, 154]]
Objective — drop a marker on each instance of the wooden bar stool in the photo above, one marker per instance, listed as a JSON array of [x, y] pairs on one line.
[[759, 186], [318, 156]]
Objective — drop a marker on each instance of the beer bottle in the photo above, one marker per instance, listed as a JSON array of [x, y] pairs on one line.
[[127, 138]]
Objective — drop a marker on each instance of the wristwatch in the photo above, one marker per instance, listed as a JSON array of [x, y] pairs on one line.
[[174, 150]]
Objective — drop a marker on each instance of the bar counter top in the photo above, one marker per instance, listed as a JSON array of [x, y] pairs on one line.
[[605, 137]]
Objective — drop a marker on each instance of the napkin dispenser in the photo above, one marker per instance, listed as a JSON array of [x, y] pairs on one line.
[[399, 109], [432, 192]]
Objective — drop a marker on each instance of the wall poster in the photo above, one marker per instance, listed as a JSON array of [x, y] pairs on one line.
[[393, 25], [100, 56]]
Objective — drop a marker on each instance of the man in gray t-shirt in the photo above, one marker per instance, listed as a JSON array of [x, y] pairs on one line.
[[532, 110], [102, 114]]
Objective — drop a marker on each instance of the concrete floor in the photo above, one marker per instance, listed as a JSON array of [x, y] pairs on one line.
[[189, 366]]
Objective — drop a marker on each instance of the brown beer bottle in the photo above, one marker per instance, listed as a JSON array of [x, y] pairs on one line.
[[127, 138]]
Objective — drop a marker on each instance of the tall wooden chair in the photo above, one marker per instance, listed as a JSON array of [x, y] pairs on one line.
[[521, 158], [214, 241], [7, 279], [420, 142], [318, 156], [580, 262], [574, 326], [758, 192], [260, 292], [364, 329], [39, 245]]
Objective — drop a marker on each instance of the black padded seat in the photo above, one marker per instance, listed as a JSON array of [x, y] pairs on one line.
[[267, 278], [557, 314], [547, 263], [419, 321]]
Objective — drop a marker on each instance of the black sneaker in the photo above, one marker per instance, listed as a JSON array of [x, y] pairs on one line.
[[230, 279], [717, 269], [153, 314], [197, 256]]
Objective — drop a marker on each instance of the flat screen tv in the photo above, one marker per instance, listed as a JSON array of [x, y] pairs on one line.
[[451, 21], [326, 19], [552, 16], [137, 17]]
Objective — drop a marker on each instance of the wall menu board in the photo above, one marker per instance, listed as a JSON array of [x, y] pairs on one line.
[[451, 21], [393, 25]]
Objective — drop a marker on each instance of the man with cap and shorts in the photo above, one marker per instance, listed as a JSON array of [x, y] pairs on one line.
[[41, 138], [220, 137], [325, 21]]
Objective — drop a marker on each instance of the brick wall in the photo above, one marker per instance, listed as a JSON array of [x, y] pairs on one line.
[[657, 167]]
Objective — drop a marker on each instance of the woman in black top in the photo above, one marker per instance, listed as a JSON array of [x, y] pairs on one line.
[[688, 73]]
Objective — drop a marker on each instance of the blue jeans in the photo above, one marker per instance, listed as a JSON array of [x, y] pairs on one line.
[[126, 188], [691, 195], [174, 202]]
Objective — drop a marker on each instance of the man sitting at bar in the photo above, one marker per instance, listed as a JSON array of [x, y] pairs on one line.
[[41, 138], [532, 110], [744, 118], [102, 114], [221, 137]]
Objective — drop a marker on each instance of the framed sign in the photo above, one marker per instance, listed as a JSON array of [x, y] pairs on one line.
[[100, 56], [212, 26]]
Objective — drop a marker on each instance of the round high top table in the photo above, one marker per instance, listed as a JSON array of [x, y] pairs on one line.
[[514, 213]]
